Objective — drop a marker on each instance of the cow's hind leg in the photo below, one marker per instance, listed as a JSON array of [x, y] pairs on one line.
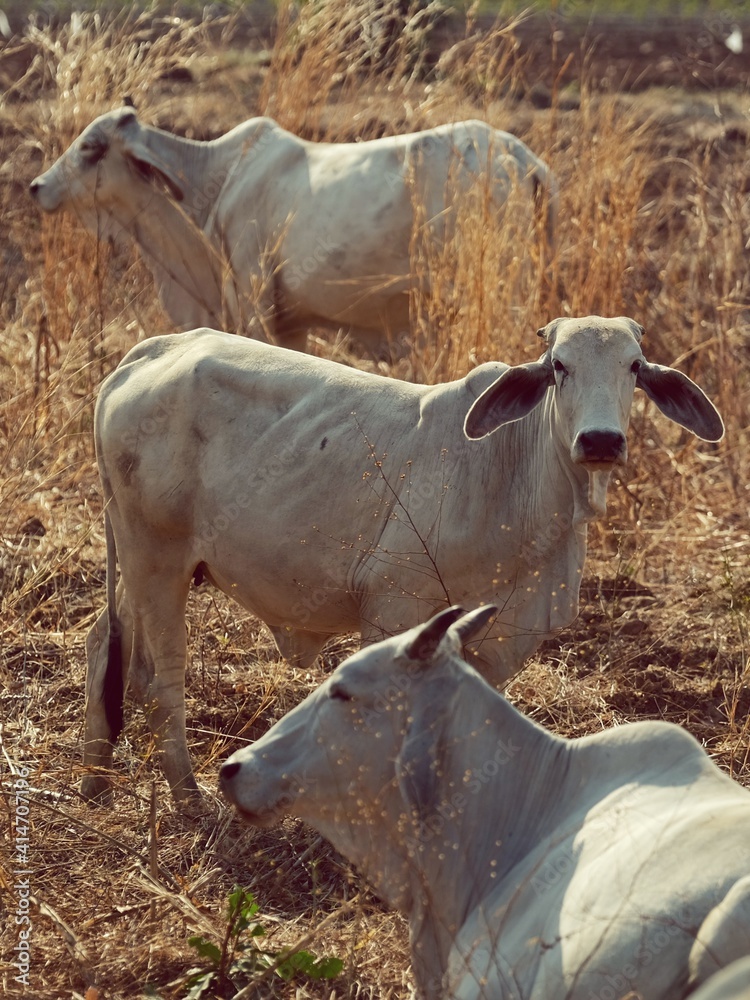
[[158, 676], [723, 936], [108, 654]]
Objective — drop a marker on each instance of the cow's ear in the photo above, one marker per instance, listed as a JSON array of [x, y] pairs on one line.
[[421, 761], [149, 165], [680, 399], [423, 641], [637, 329], [510, 397]]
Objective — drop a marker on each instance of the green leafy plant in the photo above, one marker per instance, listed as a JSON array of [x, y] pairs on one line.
[[239, 957]]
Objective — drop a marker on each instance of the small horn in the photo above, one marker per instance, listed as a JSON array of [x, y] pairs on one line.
[[470, 624]]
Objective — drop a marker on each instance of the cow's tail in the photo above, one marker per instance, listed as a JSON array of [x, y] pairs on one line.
[[113, 691]]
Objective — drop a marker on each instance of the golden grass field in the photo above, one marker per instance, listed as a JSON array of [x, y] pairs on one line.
[[654, 224]]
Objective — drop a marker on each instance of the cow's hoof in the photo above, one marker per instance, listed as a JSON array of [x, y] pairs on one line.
[[96, 790], [192, 806]]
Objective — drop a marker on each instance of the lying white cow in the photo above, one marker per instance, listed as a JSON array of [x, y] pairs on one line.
[[261, 223], [530, 867], [732, 983], [328, 500]]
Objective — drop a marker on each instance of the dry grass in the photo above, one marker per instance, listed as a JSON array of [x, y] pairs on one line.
[[653, 224]]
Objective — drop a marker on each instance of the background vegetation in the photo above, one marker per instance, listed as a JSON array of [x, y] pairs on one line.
[[653, 224]]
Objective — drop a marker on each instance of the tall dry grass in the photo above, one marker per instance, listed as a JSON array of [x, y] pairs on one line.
[[324, 51], [653, 224]]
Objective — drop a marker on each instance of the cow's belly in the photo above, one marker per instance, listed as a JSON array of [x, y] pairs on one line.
[[345, 256], [262, 580], [367, 303]]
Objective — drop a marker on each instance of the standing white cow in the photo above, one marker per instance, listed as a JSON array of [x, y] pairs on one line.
[[328, 500], [530, 867], [261, 223]]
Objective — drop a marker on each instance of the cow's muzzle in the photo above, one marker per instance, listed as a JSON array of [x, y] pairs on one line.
[[599, 448], [43, 195], [228, 784]]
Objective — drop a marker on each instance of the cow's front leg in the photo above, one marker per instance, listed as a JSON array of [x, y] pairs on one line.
[[164, 706]]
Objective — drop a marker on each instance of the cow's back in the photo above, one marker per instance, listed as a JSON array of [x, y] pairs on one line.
[[186, 414]]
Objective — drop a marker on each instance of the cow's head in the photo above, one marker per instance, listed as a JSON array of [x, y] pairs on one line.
[[359, 758], [595, 365], [106, 175]]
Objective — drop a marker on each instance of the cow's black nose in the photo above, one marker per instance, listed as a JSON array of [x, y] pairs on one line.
[[228, 770], [600, 446]]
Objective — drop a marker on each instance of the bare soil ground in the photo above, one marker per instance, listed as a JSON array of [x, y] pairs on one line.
[[647, 127]]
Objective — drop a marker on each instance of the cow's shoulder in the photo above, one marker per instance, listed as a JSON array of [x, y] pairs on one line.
[[451, 400], [483, 376], [168, 359], [258, 152]]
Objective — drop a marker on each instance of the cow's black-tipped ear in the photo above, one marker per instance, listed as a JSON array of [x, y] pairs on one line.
[[424, 644]]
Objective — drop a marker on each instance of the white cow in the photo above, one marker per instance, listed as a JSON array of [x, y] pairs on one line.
[[732, 983], [260, 229], [328, 500], [530, 867]]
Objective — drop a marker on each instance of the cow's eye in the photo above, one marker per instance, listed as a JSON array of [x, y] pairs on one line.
[[339, 693], [636, 367], [93, 151], [559, 367]]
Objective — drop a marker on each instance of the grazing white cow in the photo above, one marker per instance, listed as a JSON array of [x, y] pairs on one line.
[[530, 867], [261, 223], [328, 500]]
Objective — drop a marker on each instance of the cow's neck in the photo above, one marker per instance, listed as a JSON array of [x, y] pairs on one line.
[[510, 794], [187, 269], [363, 840], [554, 500], [203, 168], [569, 488]]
